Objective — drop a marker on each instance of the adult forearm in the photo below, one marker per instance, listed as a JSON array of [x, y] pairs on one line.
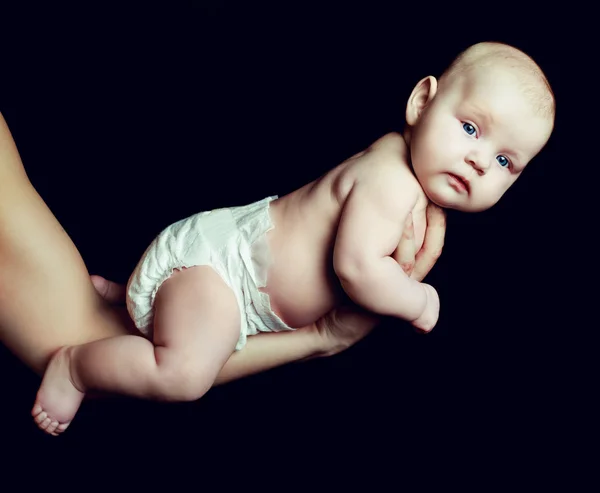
[[269, 350]]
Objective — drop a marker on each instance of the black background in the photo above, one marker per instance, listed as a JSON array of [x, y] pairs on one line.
[[128, 118]]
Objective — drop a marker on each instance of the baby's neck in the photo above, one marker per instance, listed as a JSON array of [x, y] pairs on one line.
[[407, 137]]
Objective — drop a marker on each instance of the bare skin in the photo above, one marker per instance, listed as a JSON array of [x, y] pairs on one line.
[[334, 239], [47, 300], [196, 323]]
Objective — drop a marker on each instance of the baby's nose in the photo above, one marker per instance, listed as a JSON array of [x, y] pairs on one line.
[[478, 162]]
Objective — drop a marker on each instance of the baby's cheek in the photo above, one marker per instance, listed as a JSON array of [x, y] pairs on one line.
[[483, 199]]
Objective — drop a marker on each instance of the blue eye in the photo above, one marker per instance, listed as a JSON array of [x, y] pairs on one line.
[[470, 129], [503, 161]]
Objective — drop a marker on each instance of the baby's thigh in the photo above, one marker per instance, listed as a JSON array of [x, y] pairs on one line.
[[196, 321]]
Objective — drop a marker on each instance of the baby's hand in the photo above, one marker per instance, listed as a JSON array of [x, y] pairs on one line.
[[430, 315]]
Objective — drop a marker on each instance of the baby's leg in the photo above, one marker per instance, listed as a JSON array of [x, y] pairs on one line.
[[196, 328]]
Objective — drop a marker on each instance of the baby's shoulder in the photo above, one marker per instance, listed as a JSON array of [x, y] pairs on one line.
[[385, 161], [391, 144]]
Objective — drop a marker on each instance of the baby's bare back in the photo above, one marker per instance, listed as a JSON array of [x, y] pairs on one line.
[[302, 284]]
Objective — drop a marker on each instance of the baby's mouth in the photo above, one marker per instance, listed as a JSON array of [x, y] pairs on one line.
[[459, 183]]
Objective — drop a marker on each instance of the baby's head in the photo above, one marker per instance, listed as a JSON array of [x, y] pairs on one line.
[[472, 133]]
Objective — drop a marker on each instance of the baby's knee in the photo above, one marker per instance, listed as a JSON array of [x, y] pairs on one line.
[[186, 382]]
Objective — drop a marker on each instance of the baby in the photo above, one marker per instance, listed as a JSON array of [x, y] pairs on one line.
[[209, 281]]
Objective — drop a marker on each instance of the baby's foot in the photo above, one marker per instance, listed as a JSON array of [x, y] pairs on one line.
[[57, 399]]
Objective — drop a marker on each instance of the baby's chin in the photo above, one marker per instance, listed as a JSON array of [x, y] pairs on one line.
[[446, 199], [438, 191], [461, 206]]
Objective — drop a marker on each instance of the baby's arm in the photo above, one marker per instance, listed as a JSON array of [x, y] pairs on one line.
[[370, 229]]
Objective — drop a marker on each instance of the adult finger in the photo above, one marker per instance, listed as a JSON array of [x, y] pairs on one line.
[[406, 250], [111, 291], [433, 242]]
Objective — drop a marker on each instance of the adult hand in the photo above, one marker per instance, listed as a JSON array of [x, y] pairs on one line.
[[418, 264], [112, 292], [346, 325]]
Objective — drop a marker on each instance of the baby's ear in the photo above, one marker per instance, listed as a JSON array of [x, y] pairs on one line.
[[420, 96]]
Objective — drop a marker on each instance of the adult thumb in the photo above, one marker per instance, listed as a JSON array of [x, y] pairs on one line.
[[109, 290]]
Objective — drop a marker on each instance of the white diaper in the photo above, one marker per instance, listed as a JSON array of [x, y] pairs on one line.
[[231, 240]]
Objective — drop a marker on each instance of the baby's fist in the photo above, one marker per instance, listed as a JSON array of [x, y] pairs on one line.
[[426, 322]]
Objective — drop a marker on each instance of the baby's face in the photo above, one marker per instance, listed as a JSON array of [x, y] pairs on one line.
[[474, 139]]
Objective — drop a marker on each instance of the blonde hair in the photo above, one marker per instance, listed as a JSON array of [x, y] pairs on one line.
[[532, 79]]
